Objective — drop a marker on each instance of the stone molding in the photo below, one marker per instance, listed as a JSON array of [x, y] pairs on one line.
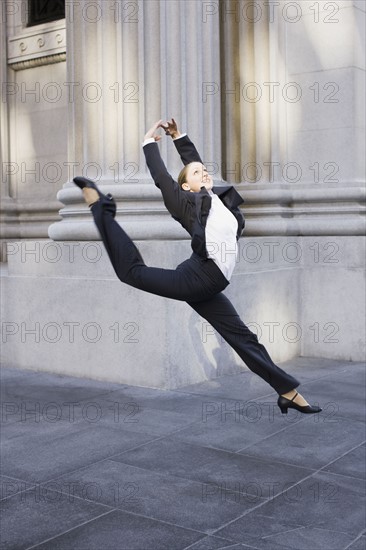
[[41, 45], [268, 211], [20, 219], [38, 61]]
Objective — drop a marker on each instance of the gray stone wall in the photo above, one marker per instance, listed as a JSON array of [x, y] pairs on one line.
[[272, 95], [65, 311]]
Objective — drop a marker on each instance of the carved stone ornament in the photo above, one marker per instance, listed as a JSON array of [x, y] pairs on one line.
[[35, 47]]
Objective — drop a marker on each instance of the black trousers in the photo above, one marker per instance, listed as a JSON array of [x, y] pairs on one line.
[[196, 281]]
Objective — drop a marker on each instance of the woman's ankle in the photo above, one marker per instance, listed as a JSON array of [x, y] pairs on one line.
[[90, 195], [289, 394]]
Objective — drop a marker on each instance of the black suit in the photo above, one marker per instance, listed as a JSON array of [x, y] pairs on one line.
[[198, 280], [190, 209]]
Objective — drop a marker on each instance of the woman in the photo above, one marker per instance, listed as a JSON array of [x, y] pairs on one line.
[[212, 217]]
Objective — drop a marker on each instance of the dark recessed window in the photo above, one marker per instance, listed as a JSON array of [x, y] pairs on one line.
[[43, 11]]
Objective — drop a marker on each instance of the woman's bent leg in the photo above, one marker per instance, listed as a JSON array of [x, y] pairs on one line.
[[122, 252], [181, 283], [221, 314]]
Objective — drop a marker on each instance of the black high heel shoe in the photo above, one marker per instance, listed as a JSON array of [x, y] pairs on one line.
[[285, 404], [85, 182]]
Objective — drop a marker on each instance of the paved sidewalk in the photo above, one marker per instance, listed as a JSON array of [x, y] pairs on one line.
[[92, 465]]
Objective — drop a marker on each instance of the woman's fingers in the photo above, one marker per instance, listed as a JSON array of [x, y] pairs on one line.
[[173, 124], [150, 133], [155, 126], [170, 125]]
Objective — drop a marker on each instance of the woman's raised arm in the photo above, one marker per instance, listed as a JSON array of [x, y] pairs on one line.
[[171, 191], [186, 149]]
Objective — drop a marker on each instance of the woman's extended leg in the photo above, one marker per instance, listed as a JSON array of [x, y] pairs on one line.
[[221, 314]]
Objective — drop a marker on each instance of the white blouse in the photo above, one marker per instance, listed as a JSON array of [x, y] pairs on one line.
[[221, 230]]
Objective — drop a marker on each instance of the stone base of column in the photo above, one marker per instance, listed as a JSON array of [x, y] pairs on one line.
[[271, 209], [21, 219], [139, 207], [64, 310]]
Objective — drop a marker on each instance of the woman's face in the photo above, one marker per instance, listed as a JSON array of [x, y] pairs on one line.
[[197, 177]]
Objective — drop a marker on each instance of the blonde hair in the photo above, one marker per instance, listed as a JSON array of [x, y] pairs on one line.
[[182, 178]]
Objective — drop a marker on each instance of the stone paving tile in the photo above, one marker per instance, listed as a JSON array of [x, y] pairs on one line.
[[311, 443], [171, 456], [125, 414], [166, 400], [8, 371], [135, 415], [352, 464], [326, 501], [252, 478], [172, 450], [10, 486], [216, 543], [235, 425], [120, 530], [255, 526], [244, 386], [359, 544], [60, 411], [12, 372], [37, 457], [301, 538], [160, 496], [342, 394], [11, 380], [304, 538], [313, 368], [53, 387], [248, 386], [29, 518]]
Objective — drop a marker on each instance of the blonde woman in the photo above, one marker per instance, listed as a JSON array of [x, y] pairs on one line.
[[212, 217]]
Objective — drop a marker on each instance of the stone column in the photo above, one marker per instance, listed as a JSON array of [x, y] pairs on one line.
[[291, 115], [5, 199], [32, 140], [126, 69], [4, 127]]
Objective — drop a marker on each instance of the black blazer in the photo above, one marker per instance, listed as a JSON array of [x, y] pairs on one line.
[[190, 209]]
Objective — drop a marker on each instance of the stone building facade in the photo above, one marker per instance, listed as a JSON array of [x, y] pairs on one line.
[[272, 94]]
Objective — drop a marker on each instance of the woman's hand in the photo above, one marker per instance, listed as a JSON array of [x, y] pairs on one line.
[[171, 128], [151, 133]]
